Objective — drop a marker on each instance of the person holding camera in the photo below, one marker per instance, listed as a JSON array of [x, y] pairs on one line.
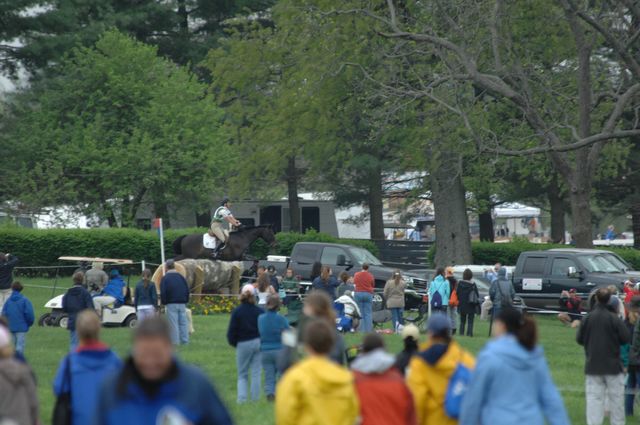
[[7, 264]]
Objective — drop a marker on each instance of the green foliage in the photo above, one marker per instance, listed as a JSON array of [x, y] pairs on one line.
[[486, 253], [38, 247], [117, 128]]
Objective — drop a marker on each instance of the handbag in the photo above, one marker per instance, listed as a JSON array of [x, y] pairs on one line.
[[62, 412]]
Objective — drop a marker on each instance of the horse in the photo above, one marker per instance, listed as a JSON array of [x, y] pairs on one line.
[[206, 276], [190, 246]]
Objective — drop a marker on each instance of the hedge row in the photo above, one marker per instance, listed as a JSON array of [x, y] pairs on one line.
[[37, 247], [508, 253]]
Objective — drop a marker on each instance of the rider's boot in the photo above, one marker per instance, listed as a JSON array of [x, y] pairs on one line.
[[216, 251]]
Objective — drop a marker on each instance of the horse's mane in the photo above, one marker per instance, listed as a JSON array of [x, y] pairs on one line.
[[261, 226]]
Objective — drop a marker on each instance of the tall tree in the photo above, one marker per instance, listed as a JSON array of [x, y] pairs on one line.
[[117, 129], [184, 30], [571, 96]]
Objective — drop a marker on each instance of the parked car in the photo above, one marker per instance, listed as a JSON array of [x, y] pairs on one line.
[[341, 257], [540, 276]]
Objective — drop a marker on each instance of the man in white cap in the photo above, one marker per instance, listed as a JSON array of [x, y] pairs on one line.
[[410, 338]]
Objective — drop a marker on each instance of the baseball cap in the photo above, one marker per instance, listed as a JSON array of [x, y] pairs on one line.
[[248, 288], [572, 290], [438, 323], [412, 331]]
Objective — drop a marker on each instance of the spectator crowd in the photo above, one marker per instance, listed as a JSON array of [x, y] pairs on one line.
[[310, 374]]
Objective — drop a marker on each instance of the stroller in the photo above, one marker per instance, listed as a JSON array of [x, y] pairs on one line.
[[348, 313]]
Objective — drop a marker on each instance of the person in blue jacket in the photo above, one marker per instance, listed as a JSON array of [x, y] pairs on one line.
[[270, 326], [440, 285], [511, 383], [19, 311], [113, 293], [146, 296], [76, 299], [82, 372], [154, 387]]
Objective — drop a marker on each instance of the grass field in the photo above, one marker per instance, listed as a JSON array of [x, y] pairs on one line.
[[209, 350]]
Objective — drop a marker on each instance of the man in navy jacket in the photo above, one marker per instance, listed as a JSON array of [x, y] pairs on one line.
[[155, 388], [74, 301], [174, 294]]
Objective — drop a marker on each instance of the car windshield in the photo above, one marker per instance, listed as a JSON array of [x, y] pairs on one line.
[[363, 256], [616, 261], [599, 263]]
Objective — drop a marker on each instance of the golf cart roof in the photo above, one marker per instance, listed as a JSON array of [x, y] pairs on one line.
[[96, 259]]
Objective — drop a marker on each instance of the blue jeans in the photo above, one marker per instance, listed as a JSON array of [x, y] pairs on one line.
[[633, 382], [271, 373], [74, 340], [396, 317], [19, 340], [248, 358], [365, 304], [177, 314]]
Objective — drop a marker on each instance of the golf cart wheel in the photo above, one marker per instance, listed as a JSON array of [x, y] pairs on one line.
[[45, 320], [131, 321], [63, 322]]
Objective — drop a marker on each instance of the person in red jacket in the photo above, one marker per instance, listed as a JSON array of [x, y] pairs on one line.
[[573, 303], [384, 396], [630, 290], [365, 284]]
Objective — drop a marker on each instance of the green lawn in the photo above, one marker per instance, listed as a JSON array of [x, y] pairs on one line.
[[209, 350]]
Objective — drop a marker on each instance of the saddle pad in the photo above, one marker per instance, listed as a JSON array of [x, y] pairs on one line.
[[208, 241]]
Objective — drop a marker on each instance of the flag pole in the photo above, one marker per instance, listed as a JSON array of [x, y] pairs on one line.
[[161, 232]]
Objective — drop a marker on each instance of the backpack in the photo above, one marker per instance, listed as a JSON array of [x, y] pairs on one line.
[[453, 299], [505, 299], [474, 298], [456, 390], [436, 299]]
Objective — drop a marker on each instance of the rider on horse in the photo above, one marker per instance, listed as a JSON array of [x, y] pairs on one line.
[[219, 225]]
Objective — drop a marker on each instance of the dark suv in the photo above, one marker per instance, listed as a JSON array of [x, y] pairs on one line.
[[540, 276]]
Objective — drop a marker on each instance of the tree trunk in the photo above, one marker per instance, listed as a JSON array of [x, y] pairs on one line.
[[453, 242], [203, 219], [183, 17], [635, 222], [162, 211], [580, 198], [485, 219], [376, 220], [292, 189], [558, 210]]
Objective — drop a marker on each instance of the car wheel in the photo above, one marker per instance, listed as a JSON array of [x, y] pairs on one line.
[[63, 322], [131, 321], [44, 320]]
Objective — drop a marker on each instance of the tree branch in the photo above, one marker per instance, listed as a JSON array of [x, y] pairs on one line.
[[587, 141]]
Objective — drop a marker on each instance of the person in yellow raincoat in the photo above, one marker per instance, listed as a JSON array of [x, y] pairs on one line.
[[431, 369], [317, 391]]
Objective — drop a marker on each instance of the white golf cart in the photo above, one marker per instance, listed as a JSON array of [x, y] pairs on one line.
[[124, 315]]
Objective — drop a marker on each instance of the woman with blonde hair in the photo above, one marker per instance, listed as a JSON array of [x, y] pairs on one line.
[[394, 298]]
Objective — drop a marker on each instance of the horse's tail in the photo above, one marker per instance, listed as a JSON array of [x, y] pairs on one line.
[[177, 245]]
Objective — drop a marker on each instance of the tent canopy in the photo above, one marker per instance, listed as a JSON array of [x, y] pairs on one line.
[[515, 210]]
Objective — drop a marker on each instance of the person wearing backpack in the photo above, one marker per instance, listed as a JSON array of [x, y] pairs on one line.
[[439, 292], [501, 293], [434, 369], [512, 383], [469, 302]]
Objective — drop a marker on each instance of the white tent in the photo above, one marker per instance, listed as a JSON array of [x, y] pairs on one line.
[[515, 210]]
